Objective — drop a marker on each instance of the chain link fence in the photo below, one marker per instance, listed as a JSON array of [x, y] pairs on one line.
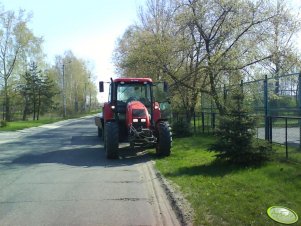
[[274, 101]]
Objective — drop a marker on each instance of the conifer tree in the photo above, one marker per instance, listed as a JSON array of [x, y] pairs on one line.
[[236, 142], [37, 91]]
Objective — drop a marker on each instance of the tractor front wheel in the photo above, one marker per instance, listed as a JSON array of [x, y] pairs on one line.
[[164, 139], [111, 140]]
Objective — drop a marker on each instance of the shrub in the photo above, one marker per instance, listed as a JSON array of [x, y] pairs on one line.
[[181, 129], [3, 123]]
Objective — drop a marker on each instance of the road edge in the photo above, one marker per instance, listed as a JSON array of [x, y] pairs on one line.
[[180, 205]]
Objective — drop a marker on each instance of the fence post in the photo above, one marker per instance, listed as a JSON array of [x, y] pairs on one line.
[[266, 105], [194, 128], [286, 150], [270, 128], [213, 121], [299, 106], [203, 122]]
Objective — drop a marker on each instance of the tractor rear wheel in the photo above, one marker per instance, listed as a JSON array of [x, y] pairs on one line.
[[99, 132], [111, 140], [164, 139]]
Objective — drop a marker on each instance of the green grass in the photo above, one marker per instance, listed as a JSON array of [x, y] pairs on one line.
[[18, 125], [223, 194], [293, 152]]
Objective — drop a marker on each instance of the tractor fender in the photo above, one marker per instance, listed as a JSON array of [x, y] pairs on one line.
[[156, 112], [108, 114]]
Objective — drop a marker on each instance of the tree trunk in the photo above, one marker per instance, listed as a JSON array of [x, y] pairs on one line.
[[39, 105], [25, 111], [7, 108], [76, 104], [6, 101], [34, 107], [221, 109]]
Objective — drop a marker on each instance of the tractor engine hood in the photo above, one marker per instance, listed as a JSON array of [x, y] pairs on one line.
[[137, 115]]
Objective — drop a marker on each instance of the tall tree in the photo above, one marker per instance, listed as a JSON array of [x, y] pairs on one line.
[[159, 48], [229, 31], [37, 91], [15, 37], [196, 44], [73, 79], [281, 42]]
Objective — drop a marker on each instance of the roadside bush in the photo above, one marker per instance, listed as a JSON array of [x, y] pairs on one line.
[[3, 123], [181, 129]]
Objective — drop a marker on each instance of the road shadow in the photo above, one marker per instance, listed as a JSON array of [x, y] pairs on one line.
[[129, 156], [87, 157], [216, 168], [81, 154]]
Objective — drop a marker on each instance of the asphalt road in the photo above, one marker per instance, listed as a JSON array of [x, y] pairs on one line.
[[58, 175], [278, 135]]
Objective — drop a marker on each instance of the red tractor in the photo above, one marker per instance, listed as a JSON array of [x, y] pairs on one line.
[[132, 115]]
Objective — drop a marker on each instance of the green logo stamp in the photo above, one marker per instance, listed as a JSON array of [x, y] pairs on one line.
[[282, 215]]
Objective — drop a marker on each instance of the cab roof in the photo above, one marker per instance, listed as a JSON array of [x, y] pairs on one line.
[[130, 80]]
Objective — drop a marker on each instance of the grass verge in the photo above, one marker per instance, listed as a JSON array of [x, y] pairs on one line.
[[18, 125], [224, 194]]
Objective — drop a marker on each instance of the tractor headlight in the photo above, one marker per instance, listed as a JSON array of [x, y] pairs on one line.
[[143, 120], [135, 120]]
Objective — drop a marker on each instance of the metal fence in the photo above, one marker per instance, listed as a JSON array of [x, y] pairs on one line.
[[282, 130], [275, 102]]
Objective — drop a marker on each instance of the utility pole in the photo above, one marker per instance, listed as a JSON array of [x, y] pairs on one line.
[[89, 77], [64, 96], [85, 97], [64, 90]]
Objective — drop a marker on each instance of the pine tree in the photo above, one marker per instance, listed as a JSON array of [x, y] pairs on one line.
[[37, 92], [236, 132]]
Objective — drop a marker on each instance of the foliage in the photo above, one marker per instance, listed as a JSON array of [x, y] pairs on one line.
[[200, 45], [15, 40], [226, 194], [74, 78], [282, 101], [282, 34], [33, 89], [37, 92], [3, 123], [235, 134], [181, 128]]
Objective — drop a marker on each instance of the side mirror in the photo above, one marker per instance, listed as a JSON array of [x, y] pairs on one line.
[[165, 87], [101, 87]]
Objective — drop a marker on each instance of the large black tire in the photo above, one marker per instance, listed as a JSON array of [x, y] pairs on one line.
[[164, 139], [111, 140], [99, 132]]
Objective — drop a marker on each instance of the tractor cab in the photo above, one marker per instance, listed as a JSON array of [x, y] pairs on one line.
[[124, 92]]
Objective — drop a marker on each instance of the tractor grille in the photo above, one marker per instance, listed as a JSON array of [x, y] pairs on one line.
[[139, 124], [139, 113]]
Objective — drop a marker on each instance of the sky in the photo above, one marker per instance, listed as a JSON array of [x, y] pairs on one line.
[[88, 28]]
